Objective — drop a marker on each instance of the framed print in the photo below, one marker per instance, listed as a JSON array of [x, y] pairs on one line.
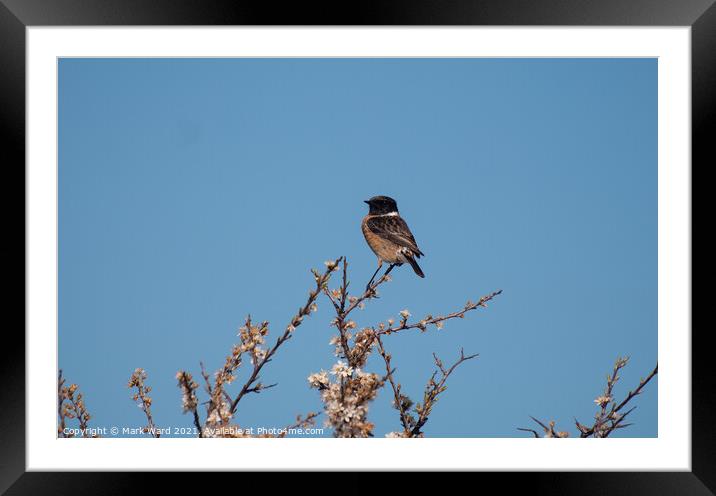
[[289, 240]]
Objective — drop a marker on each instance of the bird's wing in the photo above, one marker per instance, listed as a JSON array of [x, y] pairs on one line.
[[394, 229]]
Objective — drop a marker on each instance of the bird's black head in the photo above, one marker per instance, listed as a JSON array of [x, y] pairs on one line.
[[380, 205]]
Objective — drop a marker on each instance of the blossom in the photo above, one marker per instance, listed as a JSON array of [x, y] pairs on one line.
[[340, 369], [220, 413], [404, 313], [318, 380], [187, 385], [348, 413]]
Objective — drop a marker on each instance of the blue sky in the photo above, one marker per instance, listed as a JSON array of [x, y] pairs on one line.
[[195, 191]]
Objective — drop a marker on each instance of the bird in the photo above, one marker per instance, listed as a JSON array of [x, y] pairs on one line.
[[389, 236]]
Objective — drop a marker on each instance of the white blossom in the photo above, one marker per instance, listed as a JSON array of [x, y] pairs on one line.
[[318, 379], [340, 369]]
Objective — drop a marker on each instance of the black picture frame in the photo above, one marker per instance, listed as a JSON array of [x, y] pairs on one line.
[[16, 15]]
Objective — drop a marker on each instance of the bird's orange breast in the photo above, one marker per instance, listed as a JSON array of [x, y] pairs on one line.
[[384, 249]]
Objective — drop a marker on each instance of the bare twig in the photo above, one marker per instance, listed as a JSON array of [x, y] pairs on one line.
[[301, 422], [437, 321], [339, 297], [207, 382], [401, 402], [548, 429], [372, 333], [534, 432], [433, 389], [370, 293], [637, 391], [142, 396], [608, 419]]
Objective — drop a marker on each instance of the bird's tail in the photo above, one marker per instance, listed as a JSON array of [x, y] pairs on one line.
[[415, 266]]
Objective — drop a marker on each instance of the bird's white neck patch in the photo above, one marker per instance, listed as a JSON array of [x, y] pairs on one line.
[[389, 214]]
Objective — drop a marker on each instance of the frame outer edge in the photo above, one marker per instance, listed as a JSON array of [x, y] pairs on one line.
[[12, 134], [368, 12], [12, 137], [703, 107]]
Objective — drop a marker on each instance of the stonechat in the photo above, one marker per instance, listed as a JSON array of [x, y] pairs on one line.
[[389, 237]]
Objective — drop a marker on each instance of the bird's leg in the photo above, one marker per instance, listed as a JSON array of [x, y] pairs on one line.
[[380, 264], [391, 268], [368, 288]]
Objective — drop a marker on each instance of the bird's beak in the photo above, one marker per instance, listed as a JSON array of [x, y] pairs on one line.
[[366, 201]]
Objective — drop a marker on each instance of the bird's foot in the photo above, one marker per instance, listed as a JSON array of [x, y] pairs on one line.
[[370, 290]]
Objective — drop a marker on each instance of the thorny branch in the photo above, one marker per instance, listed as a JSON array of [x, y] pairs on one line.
[[345, 397], [260, 361], [608, 418], [436, 321], [339, 297], [401, 402], [412, 426], [346, 410], [433, 389], [221, 407]]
